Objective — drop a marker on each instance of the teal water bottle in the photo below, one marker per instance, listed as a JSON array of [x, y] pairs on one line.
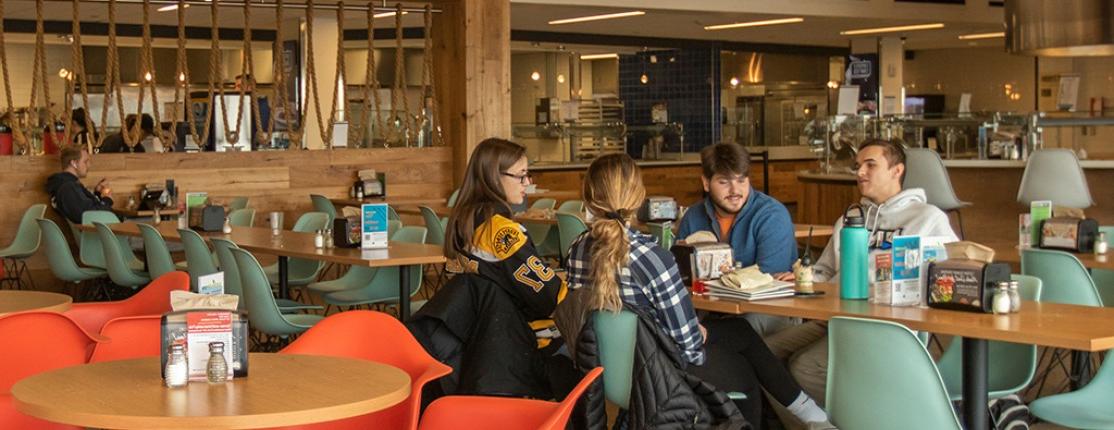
[[853, 250]]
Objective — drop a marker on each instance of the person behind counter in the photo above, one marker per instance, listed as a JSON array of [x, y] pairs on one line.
[[85, 131], [149, 141], [68, 196], [115, 142]]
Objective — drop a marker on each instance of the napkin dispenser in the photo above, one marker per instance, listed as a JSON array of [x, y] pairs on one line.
[[702, 260], [965, 285], [209, 218], [174, 329], [658, 208], [346, 232], [1069, 234]]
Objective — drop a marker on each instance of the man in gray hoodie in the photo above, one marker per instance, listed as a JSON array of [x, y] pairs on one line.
[[890, 211]]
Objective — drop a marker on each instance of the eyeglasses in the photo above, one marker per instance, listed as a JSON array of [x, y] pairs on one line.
[[522, 179]]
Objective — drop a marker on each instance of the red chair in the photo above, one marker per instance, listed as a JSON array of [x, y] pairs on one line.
[[377, 337], [129, 337], [478, 412], [154, 299], [36, 342]]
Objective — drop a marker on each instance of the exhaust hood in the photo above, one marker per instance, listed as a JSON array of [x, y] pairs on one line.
[[1060, 28]]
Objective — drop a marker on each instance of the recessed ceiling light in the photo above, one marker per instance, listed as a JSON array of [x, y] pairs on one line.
[[599, 56], [755, 23], [597, 17], [982, 36], [386, 14], [171, 7], [933, 26], [535, 76]]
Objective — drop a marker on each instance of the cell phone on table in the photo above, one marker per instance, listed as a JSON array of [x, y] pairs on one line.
[[806, 295]]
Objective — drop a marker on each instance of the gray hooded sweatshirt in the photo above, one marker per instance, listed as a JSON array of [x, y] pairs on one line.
[[904, 214]]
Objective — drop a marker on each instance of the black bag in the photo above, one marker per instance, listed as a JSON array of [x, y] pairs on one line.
[[1069, 234]]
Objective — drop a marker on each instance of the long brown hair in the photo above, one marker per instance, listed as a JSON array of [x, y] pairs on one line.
[[481, 194], [612, 192]]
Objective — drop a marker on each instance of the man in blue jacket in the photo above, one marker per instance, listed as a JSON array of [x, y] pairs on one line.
[[757, 226]]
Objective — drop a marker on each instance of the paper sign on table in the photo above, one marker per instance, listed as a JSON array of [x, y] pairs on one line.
[[202, 328], [211, 284], [374, 225], [1039, 211]]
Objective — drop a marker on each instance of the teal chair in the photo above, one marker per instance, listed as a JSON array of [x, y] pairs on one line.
[[383, 288], [392, 214], [1014, 363], [356, 276], [199, 260], [540, 231], [300, 271], [1065, 278], [881, 377], [1086, 408], [118, 270], [26, 243], [569, 226], [223, 248], [263, 312], [453, 197], [571, 207], [238, 203], [615, 335], [433, 226], [661, 232], [1104, 279], [158, 255], [61, 260], [243, 217], [90, 251], [323, 205]]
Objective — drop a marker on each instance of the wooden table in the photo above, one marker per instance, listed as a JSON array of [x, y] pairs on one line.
[[442, 211], [281, 390], [12, 301], [145, 213], [393, 201], [300, 245], [554, 194], [1007, 252], [1055, 325], [800, 231]]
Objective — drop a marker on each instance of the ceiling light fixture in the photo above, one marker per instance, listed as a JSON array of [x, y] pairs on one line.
[[599, 56], [982, 36], [755, 23], [535, 76], [171, 7], [560, 78], [644, 79], [877, 30], [597, 17]]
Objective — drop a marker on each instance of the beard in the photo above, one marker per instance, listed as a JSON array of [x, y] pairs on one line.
[[721, 206]]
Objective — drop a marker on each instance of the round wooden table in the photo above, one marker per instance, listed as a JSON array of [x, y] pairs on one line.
[[280, 389], [12, 301]]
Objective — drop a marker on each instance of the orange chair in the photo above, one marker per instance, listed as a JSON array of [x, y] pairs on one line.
[[154, 299], [36, 342], [478, 412], [129, 337], [377, 337]]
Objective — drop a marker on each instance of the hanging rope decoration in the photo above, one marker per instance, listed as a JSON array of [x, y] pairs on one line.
[[281, 77], [428, 90], [230, 135], [181, 78], [78, 63], [113, 88], [9, 112], [324, 126], [149, 70], [248, 80], [402, 121], [340, 80], [136, 129], [371, 84], [38, 78]]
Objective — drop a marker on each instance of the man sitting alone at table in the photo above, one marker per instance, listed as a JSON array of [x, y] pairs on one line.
[[757, 226], [67, 195], [889, 211]]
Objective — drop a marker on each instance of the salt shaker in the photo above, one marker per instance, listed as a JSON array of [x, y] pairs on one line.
[[182, 222], [1015, 296], [319, 240], [217, 370], [227, 228], [1100, 244], [177, 371], [329, 241], [1001, 303]]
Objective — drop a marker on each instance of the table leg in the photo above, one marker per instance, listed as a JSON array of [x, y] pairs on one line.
[[975, 383], [403, 293], [284, 278], [1080, 369]]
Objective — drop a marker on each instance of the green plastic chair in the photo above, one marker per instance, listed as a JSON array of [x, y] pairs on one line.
[[863, 352], [1014, 366], [1104, 279], [1065, 278], [453, 197], [26, 243], [383, 287], [223, 248], [60, 258], [392, 214], [199, 260], [433, 225], [118, 270], [238, 203], [356, 276], [575, 207], [301, 271], [323, 205], [158, 255], [243, 217], [263, 312], [615, 335], [90, 251], [569, 226], [662, 233], [1085, 408], [540, 231]]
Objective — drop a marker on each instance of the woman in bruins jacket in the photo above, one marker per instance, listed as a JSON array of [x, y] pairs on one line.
[[483, 239]]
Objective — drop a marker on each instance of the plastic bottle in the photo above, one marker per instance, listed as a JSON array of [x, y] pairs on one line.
[[853, 256]]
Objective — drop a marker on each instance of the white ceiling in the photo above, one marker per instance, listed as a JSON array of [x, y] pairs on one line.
[[671, 20]]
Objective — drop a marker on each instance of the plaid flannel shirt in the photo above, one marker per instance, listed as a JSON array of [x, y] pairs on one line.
[[650, 281]]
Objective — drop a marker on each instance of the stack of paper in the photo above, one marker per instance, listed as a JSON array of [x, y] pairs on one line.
[[772, 290]]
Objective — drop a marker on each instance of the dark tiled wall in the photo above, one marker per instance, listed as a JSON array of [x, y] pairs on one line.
[[688, 84]]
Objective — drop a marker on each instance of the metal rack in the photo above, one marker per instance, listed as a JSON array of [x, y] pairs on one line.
[[597, 129]]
